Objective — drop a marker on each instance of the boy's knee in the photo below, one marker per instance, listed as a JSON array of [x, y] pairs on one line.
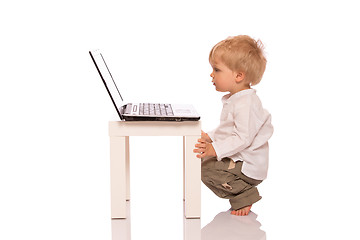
[[209, 162], [207, 175], [204, 174]]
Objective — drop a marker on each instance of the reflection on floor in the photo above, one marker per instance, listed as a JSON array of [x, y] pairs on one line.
[[227, 227], [224, 226]]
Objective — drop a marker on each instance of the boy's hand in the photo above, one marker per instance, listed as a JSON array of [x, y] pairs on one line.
[[205, 149], [206, 137]]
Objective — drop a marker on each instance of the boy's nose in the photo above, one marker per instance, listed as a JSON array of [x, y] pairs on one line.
[[212, 74]]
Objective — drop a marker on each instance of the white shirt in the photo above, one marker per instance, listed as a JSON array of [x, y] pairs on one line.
[[243, 134]]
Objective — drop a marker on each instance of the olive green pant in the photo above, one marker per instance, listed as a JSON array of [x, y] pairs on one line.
[[226, 180]]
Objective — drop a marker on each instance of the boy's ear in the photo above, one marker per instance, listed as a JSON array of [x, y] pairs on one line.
[[239, 77]]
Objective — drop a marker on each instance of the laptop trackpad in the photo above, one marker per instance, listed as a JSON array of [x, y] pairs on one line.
[[183, 110]]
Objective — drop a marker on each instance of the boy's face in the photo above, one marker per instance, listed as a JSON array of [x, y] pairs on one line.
[[223, 78]]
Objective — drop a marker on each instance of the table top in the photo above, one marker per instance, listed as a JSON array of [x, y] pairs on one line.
[[154, 128]]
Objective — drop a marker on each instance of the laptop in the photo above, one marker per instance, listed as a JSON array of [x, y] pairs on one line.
[[140, 111]]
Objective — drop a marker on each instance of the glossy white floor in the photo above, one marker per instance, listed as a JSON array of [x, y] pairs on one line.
[[223, 226]]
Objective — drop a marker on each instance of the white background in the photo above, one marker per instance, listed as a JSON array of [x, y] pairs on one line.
[[54, 153]]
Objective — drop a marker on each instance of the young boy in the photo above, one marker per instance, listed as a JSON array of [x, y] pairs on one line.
[[235, 154]]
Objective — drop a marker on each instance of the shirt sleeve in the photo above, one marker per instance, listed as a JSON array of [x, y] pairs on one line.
[[245, 127]]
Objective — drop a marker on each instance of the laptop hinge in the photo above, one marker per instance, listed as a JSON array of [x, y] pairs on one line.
[[127, 108]]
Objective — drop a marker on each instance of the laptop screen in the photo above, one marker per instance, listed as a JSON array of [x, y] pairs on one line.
[[107, 78]]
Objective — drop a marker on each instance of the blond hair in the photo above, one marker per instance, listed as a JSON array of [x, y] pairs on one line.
[[241, 54]]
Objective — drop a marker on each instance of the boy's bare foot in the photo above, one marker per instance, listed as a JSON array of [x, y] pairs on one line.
[[242, 211]]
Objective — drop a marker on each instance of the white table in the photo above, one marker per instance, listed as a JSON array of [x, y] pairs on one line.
[[120, 131]]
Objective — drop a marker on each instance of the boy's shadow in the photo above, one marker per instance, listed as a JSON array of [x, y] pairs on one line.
[[228, 227]]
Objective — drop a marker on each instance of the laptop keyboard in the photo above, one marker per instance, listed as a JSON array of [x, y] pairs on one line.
[[157, 109]]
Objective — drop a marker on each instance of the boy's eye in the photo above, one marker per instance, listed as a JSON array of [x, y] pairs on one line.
[[216, 70]]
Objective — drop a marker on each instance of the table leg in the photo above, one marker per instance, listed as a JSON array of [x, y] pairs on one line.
[[127, 163], [184, 154], [192, 179], [118, 176]]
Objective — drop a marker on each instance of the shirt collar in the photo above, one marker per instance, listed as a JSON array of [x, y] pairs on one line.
[[228, 98]]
